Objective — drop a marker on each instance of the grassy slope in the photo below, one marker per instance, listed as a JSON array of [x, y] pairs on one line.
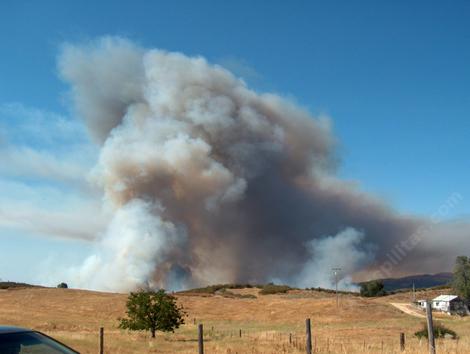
[[74, 316]]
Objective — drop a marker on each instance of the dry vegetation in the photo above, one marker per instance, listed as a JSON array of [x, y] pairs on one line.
[[359, 326]]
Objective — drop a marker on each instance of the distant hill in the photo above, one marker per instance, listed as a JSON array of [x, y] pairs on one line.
[[420, 281], [11, 285]]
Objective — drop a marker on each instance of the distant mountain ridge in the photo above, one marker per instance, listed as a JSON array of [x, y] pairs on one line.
[[420, 281]]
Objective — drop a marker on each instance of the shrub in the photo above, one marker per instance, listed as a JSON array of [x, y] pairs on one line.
[[439, 332], [62, 286], [11, 285], [229, 294], [212, 289], [270, 289]]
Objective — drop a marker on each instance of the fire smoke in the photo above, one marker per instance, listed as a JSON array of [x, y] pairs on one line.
[[211, 182]]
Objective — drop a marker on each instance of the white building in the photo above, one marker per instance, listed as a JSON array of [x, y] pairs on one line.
[[422, 304], [448, 303]]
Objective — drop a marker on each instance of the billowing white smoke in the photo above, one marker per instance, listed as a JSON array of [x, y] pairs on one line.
[[136, 242], [342, 252], [211, 182]]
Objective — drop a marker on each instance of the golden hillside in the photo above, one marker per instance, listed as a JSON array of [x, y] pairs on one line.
[[359, 325]]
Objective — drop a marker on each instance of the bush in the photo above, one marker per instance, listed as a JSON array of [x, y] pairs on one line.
[[12, 285], [373, 288], [221, 289], [63, 286], [212, 289], [270, 289], [333, 291], [439, 332], [229, 294]]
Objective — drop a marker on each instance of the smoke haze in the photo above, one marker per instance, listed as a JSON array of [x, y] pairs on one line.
[[211, 182]]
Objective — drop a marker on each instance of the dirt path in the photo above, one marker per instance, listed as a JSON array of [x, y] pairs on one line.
[[408, 309]]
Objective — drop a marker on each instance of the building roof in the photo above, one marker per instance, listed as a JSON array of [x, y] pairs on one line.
[[445, 298]]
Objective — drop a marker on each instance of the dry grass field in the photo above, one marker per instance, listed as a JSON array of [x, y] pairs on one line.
[[358, 326]]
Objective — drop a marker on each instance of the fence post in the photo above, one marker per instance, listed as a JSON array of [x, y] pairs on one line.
[[240, 333], [101, 340], [402, 342], [308, 345], [432, 345], [201, 339]]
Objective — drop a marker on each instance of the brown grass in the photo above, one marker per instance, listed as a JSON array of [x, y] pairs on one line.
[[359, 326]]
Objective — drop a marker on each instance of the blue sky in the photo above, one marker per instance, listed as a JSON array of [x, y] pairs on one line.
[[394, 76]]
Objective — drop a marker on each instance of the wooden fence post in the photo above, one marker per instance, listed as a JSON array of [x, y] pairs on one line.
[[240, 333], [432, 345], [201, 339], [308, 345], [290, 338], [402, 342], [101, 340]]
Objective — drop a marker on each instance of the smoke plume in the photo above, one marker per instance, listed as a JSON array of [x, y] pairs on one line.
[[211, 182]]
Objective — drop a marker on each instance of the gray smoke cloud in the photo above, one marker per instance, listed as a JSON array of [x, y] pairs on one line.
[[210, 182]]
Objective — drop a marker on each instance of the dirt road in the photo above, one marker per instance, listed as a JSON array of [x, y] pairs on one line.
[[408, 309]]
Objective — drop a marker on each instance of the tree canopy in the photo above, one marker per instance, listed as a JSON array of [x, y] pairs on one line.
[[372, 288], [152, 311], [461, 277]]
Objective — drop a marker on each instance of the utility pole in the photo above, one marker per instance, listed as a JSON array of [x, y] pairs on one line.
[[414, 293], [336, 271], [431, 343]]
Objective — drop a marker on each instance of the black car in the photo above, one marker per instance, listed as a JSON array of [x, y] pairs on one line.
[[15, 340]]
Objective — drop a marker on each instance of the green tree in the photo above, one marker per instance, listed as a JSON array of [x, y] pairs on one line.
[[152, 311], [372, 288], [62, 286], [461, 277]]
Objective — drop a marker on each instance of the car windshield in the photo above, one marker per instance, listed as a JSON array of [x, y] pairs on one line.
[[31, 343]]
